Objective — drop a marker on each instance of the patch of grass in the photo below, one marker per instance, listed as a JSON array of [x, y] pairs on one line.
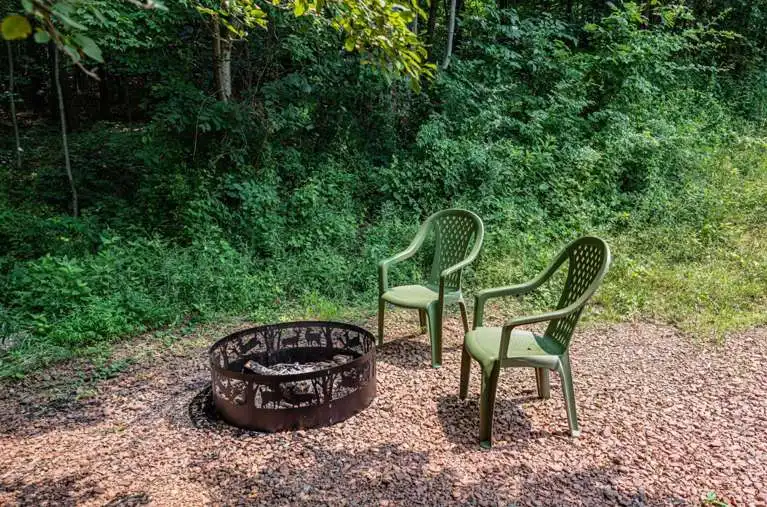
[[711, 499], [722, 293], [707, 276], [104, 368], [694, 258], [688, 252]]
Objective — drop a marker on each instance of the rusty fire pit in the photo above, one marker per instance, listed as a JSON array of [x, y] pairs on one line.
[[293, 376]]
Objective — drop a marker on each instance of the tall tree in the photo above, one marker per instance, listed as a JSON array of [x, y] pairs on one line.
[[450, 34], [12, 99], [431, 26], [64, 142], [222, 53], [228, 23]]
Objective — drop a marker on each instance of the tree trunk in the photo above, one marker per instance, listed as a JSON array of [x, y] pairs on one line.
[[226, 68], [65, 144], [52, 99], [104, 102], [450, 34], [216, 29], [460, 4], [13, 105], [431, 25], [69, 89], [222, 62]]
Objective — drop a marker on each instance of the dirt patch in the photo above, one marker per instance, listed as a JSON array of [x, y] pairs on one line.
[[664, 421]]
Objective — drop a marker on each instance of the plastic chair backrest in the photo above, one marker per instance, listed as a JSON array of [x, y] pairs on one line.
[[588, 261], [455, 231]]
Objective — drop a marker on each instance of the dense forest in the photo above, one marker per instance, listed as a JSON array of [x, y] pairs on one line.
[[258, 158]]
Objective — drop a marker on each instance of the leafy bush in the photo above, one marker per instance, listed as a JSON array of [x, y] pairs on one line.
[[628, 127]]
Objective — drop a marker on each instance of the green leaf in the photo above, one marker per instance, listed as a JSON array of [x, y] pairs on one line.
[[100, 16], [205, 10], [72, 52], [41, 36], [61, 11], [89, 47], [15, 27], [29, 7]]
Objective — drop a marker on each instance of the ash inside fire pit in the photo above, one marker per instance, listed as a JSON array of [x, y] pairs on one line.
[[292, 376], [291, 368]]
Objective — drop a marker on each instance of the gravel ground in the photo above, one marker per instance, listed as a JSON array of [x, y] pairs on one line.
[[665, 421]]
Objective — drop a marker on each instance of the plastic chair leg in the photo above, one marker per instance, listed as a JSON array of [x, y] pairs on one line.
[[543, 383], [381, 311], [487, 403], [422, 320], [464, 318], [567, 389], [465, 372], [434, 315]]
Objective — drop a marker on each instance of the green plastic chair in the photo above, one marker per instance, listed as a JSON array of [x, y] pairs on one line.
[[500, 347], [454, 230]]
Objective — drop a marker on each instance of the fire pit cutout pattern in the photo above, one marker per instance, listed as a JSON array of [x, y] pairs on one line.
[[337, 381]]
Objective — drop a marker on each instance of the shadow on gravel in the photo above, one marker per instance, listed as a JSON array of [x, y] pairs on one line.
[[38, 416], [406, 352], [203, 416], [129, 500], [460, 420], [68, 490], [389, 474], [593, 486]]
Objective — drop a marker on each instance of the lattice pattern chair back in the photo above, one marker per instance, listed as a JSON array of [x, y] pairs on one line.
[[588, 260], [454, 233]]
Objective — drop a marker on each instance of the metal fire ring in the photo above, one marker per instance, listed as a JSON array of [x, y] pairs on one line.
[[268, 402]]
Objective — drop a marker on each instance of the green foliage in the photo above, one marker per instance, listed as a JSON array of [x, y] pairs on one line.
[[15, 27], [280, 202], [56, 21], [237, 16], [700, 264], [381, 29], [713, 500], [65, 304]]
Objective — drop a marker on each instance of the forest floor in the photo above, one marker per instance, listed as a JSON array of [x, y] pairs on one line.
[[665, 420]]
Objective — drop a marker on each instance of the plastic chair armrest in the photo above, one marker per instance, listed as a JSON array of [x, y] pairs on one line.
[[509, 325], [543, 317], [481, 297], [383, 266]]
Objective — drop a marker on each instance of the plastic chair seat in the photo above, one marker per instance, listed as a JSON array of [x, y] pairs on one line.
[[525, 347], [417, 296]]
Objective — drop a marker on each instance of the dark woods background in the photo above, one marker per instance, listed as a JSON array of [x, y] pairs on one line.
[[554, 118]]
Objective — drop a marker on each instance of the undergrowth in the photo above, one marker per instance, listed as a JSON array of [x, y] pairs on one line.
[[706, 274], [279, 205]]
